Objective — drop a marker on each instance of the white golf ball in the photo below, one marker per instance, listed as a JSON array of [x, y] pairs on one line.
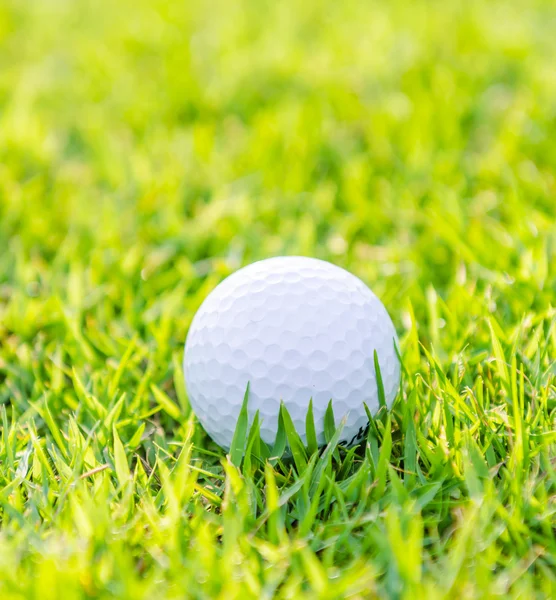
[[294, 328]]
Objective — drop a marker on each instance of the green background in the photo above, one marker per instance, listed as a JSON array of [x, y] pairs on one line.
[[147, 150]]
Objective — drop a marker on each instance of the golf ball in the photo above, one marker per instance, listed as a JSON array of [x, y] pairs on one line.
[[295, 329]]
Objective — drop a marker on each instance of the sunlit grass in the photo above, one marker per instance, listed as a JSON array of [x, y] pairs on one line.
[[147, 150]]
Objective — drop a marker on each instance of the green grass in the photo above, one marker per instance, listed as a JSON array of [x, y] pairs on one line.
[[147, 150]]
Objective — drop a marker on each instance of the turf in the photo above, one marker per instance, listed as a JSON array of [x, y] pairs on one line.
[[147, 150]]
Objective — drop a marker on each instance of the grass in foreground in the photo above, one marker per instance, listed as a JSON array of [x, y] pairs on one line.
[[149, 149]]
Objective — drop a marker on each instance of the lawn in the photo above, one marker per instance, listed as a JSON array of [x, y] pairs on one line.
[[149, 149]]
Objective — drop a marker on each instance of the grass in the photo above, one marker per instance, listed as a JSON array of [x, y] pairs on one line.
[[147, 150]]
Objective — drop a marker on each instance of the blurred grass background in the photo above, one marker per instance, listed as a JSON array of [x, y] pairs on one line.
[[401, 140], [147, 149]]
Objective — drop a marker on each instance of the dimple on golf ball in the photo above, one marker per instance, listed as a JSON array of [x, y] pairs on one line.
[[295, 329]]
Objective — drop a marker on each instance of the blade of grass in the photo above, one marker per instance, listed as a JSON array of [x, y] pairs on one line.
[[237, 449], [310, 432], [294, 441]]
